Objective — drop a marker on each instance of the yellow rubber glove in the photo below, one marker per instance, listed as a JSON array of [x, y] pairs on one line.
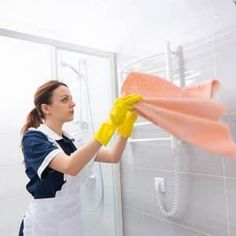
[[117, 115], [126, 128]]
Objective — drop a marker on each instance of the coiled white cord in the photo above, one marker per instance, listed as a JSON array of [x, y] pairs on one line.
[[172, 212]]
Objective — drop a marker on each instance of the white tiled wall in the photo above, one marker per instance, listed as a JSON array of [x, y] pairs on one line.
[[207, 204]]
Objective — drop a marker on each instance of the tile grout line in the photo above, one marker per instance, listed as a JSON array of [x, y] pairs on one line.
[[167, 221], [141, 201], [226, 201], [181, 172], [229, 113]]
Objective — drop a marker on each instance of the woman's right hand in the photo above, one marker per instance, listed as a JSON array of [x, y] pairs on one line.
[[116, 117]]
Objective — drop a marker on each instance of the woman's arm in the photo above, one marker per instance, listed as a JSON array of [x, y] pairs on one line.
[[73, 164], [114, 154]]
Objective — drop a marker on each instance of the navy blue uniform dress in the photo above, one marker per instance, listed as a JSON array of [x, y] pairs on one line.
[[38, 151]]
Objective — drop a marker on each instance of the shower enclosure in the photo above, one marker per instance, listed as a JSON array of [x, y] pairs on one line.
[[91, 77]]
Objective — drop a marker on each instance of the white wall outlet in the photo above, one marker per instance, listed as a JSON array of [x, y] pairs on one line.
[[160, 184]]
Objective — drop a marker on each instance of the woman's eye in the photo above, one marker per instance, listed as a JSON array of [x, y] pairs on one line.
[[64, 99]]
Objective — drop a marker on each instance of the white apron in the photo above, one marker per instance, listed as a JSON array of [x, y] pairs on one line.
[[59, 216]]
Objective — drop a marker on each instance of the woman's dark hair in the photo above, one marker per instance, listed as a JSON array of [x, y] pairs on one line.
[[43, 95]]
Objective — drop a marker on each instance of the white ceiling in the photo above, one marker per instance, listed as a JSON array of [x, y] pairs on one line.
[[130, 27]]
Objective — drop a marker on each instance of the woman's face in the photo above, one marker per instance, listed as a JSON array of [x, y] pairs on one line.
[[62, 106]]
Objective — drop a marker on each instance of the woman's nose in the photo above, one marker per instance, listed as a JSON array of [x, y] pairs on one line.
[[72, 103]]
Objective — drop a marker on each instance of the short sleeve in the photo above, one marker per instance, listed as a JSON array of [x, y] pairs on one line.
[[38, 151]]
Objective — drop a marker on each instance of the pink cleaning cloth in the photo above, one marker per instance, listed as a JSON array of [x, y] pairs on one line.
[[186, 113]]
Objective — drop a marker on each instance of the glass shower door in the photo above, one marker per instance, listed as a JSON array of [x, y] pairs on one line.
[[89, 79]]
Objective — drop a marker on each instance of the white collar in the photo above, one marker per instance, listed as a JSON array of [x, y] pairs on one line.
[[49, 132]]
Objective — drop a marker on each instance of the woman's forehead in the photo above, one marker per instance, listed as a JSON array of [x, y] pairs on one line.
[[61, 91]]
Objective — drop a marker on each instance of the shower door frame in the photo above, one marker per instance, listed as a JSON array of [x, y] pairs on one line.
[[57, 45]]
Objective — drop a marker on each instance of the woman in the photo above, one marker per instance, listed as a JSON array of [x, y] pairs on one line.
[[55, 167]]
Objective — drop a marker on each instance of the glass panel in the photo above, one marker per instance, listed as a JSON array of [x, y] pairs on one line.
[[89, 79]]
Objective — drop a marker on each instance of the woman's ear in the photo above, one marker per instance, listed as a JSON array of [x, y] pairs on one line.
[[45, 109]]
